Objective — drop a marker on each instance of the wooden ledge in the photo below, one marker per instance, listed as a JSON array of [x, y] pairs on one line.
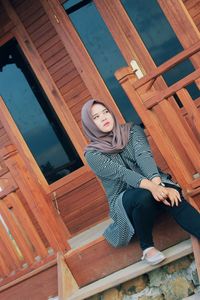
[[173, 253]]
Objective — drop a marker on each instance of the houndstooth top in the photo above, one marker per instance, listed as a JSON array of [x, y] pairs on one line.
[[119, 171]]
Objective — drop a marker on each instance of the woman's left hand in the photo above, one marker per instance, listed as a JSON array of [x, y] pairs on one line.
[[173, 196]]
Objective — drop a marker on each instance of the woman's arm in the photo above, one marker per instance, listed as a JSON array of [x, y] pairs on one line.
[[143, 154], [104, 167]]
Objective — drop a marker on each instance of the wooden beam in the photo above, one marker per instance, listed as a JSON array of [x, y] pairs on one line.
[[173, 253], [168, 65], [30, 274], [66, 283], [177, 14], [55, 231], [98, 259], [78, 53]]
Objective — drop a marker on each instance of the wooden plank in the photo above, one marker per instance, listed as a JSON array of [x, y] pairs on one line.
[[41, 31], [98, 259], [66, 282], [5, 270], [12, 257], [173, 253], [78, 53], [191, 109], [159, 96], [168, 65], [178, 15], [49, 45], [35, 286], [21, 215], [11, 263], [16, 233], [42, 39], [53, 69], [25, 272], [66, 68]]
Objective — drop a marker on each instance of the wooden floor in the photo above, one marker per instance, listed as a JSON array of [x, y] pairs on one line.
[[89, 235], [173, 253]]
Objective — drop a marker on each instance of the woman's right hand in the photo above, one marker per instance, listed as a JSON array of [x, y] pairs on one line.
[[160, 193]]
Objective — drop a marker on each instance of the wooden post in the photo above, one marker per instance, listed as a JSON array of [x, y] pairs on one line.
[[67, 285], [35, 198]]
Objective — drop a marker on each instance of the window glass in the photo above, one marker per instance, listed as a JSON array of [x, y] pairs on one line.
[[34, 115]]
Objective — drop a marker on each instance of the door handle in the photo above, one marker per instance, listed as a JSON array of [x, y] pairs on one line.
[[136, 69]]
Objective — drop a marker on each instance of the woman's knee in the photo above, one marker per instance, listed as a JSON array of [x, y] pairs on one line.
[[146, 200]]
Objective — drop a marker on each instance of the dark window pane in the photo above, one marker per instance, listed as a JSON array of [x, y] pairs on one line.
[[34, 116], [102, 49], [159, 38]]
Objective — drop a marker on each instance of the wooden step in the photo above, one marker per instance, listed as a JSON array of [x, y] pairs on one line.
[[97, 259], [132, 271], [89, 235]]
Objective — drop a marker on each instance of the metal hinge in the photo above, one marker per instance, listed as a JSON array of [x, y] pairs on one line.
[[55, 202], [57, 20]]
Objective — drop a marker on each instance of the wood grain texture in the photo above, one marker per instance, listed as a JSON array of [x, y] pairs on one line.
[[98, 259]]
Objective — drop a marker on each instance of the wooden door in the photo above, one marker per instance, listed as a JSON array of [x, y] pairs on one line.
[[148, 32]]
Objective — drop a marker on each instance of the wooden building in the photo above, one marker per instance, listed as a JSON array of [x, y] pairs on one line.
[[142, 58]]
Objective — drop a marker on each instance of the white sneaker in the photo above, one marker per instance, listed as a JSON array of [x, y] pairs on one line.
[[153, 260]]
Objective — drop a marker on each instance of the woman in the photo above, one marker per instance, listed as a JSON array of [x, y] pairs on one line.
[[136, 190]]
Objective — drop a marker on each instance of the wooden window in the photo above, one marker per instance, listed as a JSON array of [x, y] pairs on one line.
[[34, 115]]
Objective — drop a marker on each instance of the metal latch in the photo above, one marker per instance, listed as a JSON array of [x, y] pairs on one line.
[[136, 69]]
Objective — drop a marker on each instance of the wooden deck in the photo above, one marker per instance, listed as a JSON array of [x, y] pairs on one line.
[[88, 235]]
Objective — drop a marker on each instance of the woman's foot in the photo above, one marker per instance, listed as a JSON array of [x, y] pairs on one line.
[[152, 256]]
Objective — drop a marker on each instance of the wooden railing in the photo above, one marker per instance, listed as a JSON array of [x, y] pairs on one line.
[[177, 139], [175, 130], [28, 241], [21, 247]]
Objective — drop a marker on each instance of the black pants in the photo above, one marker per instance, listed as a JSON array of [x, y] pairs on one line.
[[142, 210]]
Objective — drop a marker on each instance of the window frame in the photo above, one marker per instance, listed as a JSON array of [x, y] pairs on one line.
[[78, 140]]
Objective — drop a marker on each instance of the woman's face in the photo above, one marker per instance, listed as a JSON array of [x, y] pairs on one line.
[[102, 117]]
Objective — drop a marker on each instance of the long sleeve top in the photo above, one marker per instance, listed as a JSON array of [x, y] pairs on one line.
[[120, 171]]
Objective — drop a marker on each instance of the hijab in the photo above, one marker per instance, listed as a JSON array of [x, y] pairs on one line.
[[106, 142]]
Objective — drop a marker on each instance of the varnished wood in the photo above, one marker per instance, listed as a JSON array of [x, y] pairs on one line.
[[66, 283], [37, 247], [38, 285], [178, 15], [78, 53], [55, 232], [163, 112], [168, 65], [193, 112], [98, 259]]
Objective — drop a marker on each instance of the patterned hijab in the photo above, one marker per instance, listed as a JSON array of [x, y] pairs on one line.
[[106, 142]]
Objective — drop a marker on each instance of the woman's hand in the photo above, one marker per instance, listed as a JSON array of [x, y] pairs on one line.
[[159, 192], [173, 196], [169, 196]]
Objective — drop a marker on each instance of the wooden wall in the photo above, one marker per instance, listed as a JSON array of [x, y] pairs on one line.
[[193, 7]]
